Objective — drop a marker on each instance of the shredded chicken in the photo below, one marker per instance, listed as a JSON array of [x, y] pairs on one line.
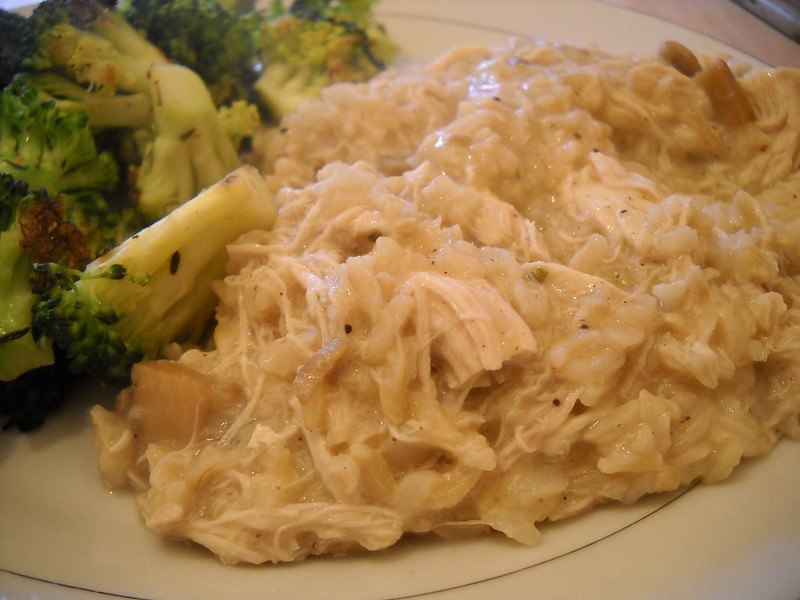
[[501, 289]]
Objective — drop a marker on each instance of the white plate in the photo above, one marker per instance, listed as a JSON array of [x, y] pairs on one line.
[[63, 536]]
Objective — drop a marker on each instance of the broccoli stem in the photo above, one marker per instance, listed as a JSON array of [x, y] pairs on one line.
[[105, 111], [190, 149], [172, 263], [129, 42], [114, 44]]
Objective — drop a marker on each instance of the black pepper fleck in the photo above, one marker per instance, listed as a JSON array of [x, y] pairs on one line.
[[174, 262]]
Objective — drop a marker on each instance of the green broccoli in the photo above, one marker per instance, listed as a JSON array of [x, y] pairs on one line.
[[33, 380], [14, 45], [166, 131], [218, 42], [52, 208], [189, 149], [313, 44], [92, 45], [240, 120], [33, 228], [48, 147], [19, 352], [100, 131], [103, 110], [155, 288], [52, 149], [279, 57], [83, 56]]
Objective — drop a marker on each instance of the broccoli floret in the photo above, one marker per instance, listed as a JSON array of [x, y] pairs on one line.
[[47, 234], [218, 42], [63, 57], [240, 120], [92, 45], [169, 137], [313, 44], [34, 380], [19, 351], [155, 288], [48, 147], [53, 149], [89, 59], [32, 228], [14, 45]]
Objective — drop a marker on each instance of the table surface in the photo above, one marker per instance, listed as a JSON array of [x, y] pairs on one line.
[[725, 21]]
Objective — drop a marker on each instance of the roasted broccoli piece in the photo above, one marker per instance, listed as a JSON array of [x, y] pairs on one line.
[[88, 58], [52, 149], [240, 120], [84, 57], [92, 45], [19, 352], [34, 378], [168, 135], [279, 57], [32, 228], [103, 111], [48, 147], [189, 148], [101, 131], [217, 41], [313, 44], [155, 288], [52, 209], [14, 45]]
